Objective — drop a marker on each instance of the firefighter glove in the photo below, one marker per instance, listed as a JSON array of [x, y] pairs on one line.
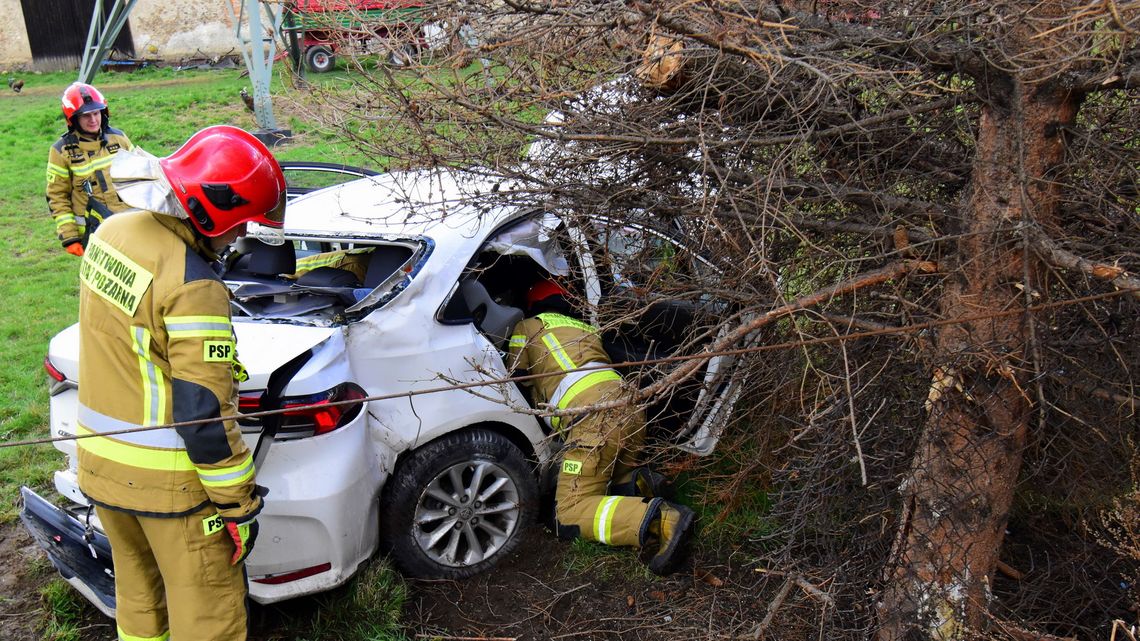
[[243, 535], [75, 249]]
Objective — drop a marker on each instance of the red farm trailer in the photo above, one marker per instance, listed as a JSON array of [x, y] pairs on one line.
[[318, 30]]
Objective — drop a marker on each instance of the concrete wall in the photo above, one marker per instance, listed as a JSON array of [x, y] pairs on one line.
[[14, 47], [162, 29], [172, 29]]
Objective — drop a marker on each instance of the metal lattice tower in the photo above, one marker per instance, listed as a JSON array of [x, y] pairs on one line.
[[256, 23]]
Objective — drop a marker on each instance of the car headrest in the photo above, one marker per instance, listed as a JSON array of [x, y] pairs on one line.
[[383, 262], [269, 260], [495, 320]]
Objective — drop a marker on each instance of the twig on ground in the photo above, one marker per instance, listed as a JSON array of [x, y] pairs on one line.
[[773, 607], [448, 638], [806, 586]]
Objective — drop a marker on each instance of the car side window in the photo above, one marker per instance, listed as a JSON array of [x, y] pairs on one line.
[[512, 258]]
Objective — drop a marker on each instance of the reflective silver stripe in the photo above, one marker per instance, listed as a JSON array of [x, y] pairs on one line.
[[559, 354], [216, 477], [573, 377], [152, 391], [97, 422], [604, 519], [198, 327]]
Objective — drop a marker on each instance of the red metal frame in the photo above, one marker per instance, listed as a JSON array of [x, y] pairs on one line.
[[328, 14]]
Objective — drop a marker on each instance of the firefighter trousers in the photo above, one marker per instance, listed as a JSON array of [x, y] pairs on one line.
[[601, 446], [173, 578]]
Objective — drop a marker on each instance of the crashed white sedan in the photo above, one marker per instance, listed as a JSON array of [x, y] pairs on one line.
[[444, 481]]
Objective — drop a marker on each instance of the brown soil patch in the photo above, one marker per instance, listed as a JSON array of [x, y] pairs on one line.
[[531, 596], [22, 572]]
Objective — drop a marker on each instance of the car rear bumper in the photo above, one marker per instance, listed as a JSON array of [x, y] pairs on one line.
[[84, 563]]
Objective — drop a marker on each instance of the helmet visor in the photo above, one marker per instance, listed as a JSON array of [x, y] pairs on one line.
[[266, 234], [276, 217], [88, 107], [270, 228]]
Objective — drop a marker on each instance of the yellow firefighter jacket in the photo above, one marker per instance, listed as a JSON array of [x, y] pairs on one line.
[[157, 346], [549, 343], [354, 261], [73, 160]]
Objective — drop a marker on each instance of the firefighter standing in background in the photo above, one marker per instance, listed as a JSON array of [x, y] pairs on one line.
[[79, 190], [157, 346], [603, 493]]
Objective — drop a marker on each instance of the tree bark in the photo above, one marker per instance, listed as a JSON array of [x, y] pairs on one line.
[[957, 495]]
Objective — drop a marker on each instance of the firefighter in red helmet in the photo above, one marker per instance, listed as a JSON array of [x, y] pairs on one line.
[[79, 191], [604, 493], [179, 505]]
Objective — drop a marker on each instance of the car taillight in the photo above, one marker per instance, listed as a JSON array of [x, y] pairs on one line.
[[248, 403], [323, 412], [54, 373], [278, 579], [57, 381]]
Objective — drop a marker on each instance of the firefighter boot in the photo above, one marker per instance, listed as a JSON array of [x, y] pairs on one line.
[[671, 525], [644, 482]]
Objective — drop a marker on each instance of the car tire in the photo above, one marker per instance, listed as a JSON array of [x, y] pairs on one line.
[[320, 59], [456, 506]]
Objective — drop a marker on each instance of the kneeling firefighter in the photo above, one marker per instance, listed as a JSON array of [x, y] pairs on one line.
[[604, 494], [156, 347]]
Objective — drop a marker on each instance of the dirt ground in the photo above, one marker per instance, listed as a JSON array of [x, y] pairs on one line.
[[19, 582], [529, 597]]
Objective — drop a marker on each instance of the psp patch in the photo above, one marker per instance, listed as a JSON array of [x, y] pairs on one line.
[[572, 467], [212, 524], [218, 351]]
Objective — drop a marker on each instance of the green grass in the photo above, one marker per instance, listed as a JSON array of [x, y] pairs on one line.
[[367, 609], [64, 608], [604, 562]]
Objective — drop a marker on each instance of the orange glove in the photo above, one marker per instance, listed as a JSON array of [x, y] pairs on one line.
[[75, 249]]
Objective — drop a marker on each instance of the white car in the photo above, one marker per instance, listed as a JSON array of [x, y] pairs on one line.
[[445, 479]]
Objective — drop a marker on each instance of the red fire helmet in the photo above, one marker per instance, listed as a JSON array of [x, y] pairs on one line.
[[542, 290], [80, 98], [224, 177]]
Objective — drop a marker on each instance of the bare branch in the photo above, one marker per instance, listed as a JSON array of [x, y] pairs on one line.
[[1058, 257]]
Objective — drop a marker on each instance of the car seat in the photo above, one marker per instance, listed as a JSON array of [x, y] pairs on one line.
[[495, 320], [384, 262], [272, 260], [257, 260]]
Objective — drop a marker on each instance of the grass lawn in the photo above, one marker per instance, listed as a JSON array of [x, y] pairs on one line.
[[158, 109]]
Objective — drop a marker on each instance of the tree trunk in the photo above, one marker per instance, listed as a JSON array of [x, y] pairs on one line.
[[956, 498]]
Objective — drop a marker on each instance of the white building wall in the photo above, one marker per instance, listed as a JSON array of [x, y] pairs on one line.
[[161, 29], [172, 29], [14, 46]]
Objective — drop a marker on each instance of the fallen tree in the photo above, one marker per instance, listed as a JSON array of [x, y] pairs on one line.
[[969, 168]]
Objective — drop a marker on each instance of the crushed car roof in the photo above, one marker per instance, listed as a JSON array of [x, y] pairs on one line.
[[438, 203]]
